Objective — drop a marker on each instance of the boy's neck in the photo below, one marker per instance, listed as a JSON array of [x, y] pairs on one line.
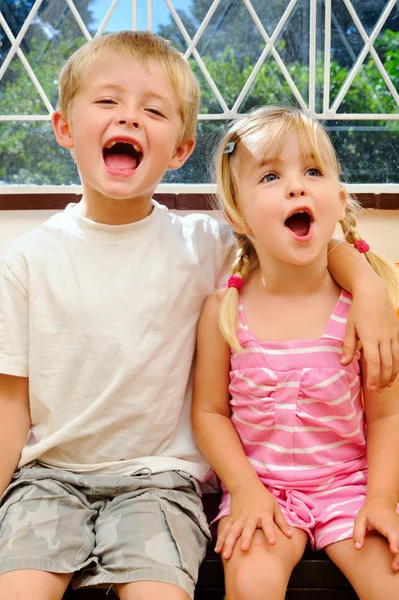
[[109, 211]]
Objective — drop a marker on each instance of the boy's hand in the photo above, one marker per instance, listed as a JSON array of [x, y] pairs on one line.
[[372, 320], [251, 509], [381, 516]]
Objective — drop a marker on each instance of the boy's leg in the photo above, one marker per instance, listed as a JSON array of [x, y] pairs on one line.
[[46, 534], [151, 537], [28, 584], [369, 569], [151, 590], [263, 571]]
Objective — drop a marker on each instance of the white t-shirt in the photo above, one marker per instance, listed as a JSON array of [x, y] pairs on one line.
[[102, 319]]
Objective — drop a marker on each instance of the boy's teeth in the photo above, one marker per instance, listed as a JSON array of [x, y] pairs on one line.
[[111, 144]]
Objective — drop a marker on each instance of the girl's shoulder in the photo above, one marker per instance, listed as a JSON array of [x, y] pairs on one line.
[[213, 302]]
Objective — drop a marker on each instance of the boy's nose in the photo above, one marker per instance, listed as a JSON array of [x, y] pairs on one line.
[[133, 122]]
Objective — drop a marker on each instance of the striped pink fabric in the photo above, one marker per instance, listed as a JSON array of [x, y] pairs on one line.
[[298, 412]]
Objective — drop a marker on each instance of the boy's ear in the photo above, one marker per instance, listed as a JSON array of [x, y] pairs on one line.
[[62, 130], [181, 154]]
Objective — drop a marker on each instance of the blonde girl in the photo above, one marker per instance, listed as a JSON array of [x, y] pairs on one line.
[[276, 413]]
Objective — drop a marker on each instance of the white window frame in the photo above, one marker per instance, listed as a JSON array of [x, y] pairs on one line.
[[329, 110]]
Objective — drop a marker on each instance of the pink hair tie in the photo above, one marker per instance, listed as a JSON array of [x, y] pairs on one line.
[[361, 246], [235, 281]]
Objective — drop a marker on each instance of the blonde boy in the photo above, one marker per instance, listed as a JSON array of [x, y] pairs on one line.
[[98, 312]]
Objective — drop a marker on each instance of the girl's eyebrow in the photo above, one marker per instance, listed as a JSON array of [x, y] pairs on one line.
[[269, 160]]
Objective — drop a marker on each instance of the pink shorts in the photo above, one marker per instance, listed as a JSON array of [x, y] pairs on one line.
[[327, 516]]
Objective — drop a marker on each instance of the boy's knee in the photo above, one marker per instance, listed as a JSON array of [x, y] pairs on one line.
[[32, 584]]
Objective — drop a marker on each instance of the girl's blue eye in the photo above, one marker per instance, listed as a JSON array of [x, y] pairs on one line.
[[314, 172], [269, 177], [105, 101]]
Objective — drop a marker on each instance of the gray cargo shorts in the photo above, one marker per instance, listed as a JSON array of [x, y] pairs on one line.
[[104, 529]]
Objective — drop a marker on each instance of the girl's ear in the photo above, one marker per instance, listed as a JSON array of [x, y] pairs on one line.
[[62, 130], [343, 201], [235, 227]]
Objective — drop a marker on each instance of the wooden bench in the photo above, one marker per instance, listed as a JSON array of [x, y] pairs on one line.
[[314, 578]]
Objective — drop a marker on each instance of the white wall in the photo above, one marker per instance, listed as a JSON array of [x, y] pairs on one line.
[[379, 227]]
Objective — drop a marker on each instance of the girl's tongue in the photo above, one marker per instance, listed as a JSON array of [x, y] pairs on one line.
[[299, 223]]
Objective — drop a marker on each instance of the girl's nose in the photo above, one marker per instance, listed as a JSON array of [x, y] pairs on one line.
[[295, 187], [296, 191]]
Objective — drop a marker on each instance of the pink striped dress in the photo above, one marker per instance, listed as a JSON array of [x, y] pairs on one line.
[[300, 419]]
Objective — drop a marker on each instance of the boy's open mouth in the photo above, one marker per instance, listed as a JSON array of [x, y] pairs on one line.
[[299, 222], [122, 156]]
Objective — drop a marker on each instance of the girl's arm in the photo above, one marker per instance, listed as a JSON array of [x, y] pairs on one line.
[[372, 318], [252, 505], [380, 509], [14, 424]]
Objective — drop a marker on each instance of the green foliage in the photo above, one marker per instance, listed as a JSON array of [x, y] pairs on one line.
[[30, 155]]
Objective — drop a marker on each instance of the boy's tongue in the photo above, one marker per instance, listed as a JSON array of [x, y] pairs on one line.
[[299, 224], [123, 162]]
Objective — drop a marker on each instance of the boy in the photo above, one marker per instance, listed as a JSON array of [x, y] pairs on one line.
[[98, 311]]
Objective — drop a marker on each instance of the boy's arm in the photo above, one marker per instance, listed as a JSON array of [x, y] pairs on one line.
[[14, 424], [372, 318], [251, 504], [380, 509]]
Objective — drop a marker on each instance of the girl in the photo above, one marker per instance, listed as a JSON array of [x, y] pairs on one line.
[[277, 416]]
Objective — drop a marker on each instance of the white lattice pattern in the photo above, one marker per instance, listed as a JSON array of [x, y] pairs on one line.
[[332, 108], [330, 111]]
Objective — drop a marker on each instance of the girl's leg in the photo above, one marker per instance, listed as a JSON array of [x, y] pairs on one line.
[[369, 569], [263, 571]]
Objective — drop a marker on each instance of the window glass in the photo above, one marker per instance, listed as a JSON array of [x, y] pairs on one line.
[[236, 63]]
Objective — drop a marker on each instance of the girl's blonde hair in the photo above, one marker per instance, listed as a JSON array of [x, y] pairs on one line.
[[274, 124], [145, 47]]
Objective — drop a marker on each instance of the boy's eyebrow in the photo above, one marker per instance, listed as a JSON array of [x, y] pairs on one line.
[[157, 96], [120, 88], [107, 86]]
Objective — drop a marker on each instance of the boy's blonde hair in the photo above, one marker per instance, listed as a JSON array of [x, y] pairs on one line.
[[145, 47], [274, 124]]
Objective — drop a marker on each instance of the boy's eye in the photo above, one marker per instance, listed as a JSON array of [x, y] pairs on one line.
[[314, 172], [269, 177], [105, 101], [156, 111]]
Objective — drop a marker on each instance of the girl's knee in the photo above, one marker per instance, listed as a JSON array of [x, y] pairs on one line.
[[256, 583]]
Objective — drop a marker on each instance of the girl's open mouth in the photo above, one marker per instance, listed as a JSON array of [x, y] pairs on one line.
[[300, 224]]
